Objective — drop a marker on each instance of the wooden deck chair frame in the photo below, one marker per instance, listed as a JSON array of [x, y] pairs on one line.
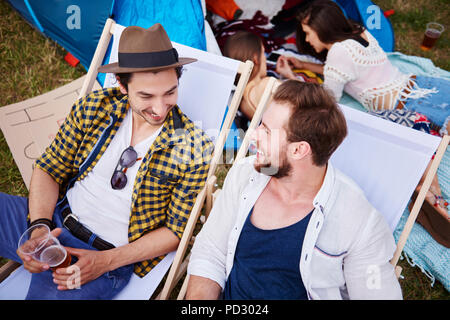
[[271, 87], [211, 192], [244, 72]]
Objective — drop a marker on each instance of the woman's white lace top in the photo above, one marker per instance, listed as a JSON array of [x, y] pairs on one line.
[[366, 74]]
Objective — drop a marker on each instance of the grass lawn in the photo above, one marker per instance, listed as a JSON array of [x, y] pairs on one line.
[[31, 65], [409, 21]]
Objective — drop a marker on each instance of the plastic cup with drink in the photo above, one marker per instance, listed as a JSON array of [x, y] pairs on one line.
[[432, 34], [38, 243]]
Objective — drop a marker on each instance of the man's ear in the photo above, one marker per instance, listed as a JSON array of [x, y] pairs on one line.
[[299, 150], [121, 86]]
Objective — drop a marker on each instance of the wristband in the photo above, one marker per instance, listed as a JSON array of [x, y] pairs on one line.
[[49, 223]]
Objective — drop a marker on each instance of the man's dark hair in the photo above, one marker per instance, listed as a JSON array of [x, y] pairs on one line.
[[125, 78], [315, 118]]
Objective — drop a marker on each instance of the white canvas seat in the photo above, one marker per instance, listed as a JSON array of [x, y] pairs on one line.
[[385, 159], [204, 95]]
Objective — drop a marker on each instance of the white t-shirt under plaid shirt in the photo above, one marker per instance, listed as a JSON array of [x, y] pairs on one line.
[[94, 193]]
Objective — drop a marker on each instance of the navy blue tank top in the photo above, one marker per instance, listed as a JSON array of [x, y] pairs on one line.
[[266, 263]]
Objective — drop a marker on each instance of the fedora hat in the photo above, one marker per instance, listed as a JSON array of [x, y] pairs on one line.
[[145, 50]]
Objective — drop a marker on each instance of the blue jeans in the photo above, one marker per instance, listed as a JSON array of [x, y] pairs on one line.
[[13, 222], [436, 106]]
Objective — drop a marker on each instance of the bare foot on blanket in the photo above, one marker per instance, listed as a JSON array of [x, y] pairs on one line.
[[434, 194], [434, 197]]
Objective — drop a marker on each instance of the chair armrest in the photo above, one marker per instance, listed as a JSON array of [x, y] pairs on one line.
[[7, 269]]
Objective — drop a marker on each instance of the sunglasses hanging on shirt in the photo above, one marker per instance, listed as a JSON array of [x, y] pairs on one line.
[[127, 159]]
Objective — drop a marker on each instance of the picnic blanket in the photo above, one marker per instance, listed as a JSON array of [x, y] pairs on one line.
[[421, 249]]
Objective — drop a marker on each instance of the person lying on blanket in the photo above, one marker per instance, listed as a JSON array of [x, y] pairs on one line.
[[287, 224], [243, 46], [118, 182], [355, 63]]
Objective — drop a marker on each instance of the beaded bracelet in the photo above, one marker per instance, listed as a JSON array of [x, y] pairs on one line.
[[438, 201]]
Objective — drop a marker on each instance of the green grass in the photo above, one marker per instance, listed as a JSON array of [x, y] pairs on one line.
[[409, 21], [31, 65]]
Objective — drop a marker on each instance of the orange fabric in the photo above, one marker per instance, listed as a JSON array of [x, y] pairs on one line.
[[224, 8], [70, 59]]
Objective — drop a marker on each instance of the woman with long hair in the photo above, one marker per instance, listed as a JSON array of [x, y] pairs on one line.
[[354, 62]]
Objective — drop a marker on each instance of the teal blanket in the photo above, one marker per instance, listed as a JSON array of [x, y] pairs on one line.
[[421, 249]]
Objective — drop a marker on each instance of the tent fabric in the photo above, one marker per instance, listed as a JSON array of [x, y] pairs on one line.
[[183, 20], [371, 16], [77, 26], [362, 11]]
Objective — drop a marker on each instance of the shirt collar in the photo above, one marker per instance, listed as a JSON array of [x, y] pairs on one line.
[[170, 133], [324, 193], [325, 190]]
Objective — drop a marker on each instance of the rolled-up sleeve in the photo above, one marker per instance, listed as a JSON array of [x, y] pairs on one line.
[[58, 158]]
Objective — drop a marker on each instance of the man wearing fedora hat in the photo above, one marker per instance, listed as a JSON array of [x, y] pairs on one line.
[[119, 181]]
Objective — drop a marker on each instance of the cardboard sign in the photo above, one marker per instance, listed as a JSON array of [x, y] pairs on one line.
[[31, 125]]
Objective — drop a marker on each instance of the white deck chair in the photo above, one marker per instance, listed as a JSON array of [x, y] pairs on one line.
[[385, 159], [204, 93]]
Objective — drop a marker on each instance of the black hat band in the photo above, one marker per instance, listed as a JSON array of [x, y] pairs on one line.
[[148, 59]]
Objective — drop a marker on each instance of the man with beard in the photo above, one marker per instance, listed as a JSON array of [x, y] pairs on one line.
[[287, 224], [119, 181]]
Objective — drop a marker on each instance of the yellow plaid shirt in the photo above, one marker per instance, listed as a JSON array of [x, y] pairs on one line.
[[170, 176]]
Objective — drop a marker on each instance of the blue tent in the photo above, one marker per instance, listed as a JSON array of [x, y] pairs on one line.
[[77, 27], [372, 17]]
